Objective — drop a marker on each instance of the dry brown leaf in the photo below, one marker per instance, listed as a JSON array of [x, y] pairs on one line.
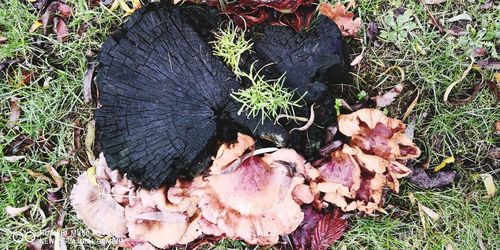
[[3, 40], [343, 18], [15, 112], [15, 211], [37, 175], [358, 58], [389, 97], [87, 83], [56, 177]]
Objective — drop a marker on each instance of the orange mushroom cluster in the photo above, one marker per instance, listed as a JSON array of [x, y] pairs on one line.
[[248, 197], [354, 176], [255, 198]]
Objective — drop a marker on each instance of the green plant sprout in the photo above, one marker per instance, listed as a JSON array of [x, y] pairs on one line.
[[264, 98], [397, 29], [267, 98], [230, 44]]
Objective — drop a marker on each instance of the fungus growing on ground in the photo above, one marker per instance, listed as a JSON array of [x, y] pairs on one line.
[[166, 106], [92, 199], [353, 177]]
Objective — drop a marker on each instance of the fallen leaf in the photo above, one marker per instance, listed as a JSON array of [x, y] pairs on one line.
[[61, 29], [89, 141], [14, 158], [3, 40], [475, 92], [434, 1], [56, 177], [494, 153], [328, 230], [479, 52], [358, 58], [423, 180], [343, 18], [87, 83], [83, 28], [494, 88], [452, 85], [19, 146], [489, 183], [489, 64], [389, 97], [463, 16], [15, 211], [15, 112], [301, 237], [91, 174], [54, 20], [37, 175], [497, 77], [36, 24], [433, 215], [443, 164], [411, 107]]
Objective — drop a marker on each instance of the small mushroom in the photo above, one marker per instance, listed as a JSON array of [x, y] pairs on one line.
[[339, 178], [95, 206]]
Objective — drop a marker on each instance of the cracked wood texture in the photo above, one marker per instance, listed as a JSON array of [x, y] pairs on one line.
[[163, 95], [313, 60]]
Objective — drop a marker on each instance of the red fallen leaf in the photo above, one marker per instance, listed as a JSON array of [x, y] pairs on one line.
[[318, 231], [54, 19], [297, 14], [328, 230], [301, 237], [61, 29], [343, 18]]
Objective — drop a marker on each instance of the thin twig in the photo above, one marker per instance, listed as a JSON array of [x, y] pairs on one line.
[[433, 19]]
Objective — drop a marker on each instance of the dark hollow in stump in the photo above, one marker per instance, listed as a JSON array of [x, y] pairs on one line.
[[165, 99]]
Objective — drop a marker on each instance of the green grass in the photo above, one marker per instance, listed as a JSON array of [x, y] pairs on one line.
[[52, 107]]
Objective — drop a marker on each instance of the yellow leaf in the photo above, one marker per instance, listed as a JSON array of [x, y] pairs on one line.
[[91, 175], [125, 6], [136, 3], [115, 5], [489, 184], [497, 78], [35, 25], [448, 160], [89, 141]]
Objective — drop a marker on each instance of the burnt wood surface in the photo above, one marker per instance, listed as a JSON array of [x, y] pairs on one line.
[[165, 99]]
